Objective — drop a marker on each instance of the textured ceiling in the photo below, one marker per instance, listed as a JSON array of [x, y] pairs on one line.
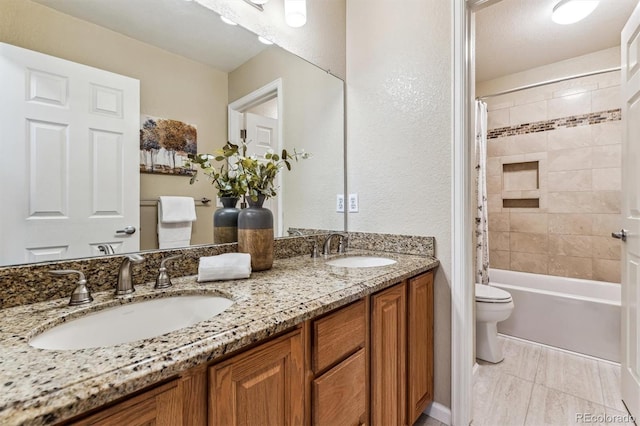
[[516, 35], [182, 27]]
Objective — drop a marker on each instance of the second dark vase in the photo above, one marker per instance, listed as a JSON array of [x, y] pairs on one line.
[[255, 234], [225, 221]]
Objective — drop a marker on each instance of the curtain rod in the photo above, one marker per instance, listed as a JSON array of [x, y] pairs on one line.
[[543, 83]]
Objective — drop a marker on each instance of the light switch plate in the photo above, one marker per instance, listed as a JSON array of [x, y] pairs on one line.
[[340, 203], [353, 203]]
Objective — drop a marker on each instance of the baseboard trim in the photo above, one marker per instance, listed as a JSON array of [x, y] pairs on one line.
[[439, 412]]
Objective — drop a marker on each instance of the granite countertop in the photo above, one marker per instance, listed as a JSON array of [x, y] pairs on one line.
[[44, 386]]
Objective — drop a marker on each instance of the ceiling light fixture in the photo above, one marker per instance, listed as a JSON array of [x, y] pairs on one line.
[[571, 11], [264, 40], [295, 12], [227, 20]]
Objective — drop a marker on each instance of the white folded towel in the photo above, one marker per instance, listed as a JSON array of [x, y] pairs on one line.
[[228, 266], [175, 215], [177, 209]]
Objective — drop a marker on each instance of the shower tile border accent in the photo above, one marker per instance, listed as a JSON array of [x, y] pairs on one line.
[[557, 123]]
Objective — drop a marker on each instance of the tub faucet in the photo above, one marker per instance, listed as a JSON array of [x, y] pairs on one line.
[[106, 249], [125, 276], [326, 248]]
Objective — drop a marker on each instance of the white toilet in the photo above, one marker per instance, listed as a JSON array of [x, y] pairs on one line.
[[492, 306]]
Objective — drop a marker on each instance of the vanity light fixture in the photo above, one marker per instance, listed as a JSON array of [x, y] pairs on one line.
[[264, 40], [571, 11], [255, 4], [227, 20], [295, 12]]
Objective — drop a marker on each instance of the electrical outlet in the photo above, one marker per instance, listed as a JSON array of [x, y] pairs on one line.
[[340, 203], [353, 203]]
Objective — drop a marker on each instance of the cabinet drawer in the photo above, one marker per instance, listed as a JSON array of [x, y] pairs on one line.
[[337, 335], [339, 395]]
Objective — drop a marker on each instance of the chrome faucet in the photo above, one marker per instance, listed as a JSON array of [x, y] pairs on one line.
[[80, 294], [326, 248], [125, 276]]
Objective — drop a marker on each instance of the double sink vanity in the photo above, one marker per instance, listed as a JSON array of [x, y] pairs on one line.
[[327, 340], [346, 339]]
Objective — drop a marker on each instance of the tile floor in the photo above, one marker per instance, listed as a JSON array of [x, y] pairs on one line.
[[537, 385], [425, 420]]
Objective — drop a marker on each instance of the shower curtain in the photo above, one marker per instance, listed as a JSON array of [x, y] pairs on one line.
[[482, 235]]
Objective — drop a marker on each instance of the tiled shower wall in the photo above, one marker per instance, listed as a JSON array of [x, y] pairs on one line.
[[573, 130]]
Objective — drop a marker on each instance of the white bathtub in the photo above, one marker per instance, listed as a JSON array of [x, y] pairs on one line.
[[578, 315]]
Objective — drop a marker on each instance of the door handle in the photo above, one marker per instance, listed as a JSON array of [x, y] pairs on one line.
[[622, 235], [127, 230]]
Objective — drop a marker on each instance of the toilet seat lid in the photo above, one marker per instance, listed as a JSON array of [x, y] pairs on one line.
[[487, 293]]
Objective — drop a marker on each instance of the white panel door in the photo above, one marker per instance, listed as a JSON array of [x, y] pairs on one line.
[[262, 135], [630, 86], [69, 138]]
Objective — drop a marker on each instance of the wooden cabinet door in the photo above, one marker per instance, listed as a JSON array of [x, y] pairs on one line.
[[388, 356], [193, 387], [420, 345], [263, 386], [161, 406], [339, 395]]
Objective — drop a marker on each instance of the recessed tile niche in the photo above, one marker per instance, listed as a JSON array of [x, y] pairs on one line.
[[521, 185]]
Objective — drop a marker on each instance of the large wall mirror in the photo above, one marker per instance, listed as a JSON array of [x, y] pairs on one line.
[[191, 67]]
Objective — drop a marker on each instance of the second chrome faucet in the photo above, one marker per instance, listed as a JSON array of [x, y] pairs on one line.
[[342, 244], [125, 275]]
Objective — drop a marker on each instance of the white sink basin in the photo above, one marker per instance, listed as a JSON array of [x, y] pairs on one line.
[[360, 261], [131, 322]]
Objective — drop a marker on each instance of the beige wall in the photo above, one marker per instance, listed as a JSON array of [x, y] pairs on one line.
[[170, 87], [313, 120], [321, 40], [399, 143], [579, 181]]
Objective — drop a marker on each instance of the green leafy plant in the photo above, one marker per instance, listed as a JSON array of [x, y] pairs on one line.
[[228, 182], [245, 175]]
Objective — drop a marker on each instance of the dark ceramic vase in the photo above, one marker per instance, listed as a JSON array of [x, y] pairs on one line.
[[255, 234], [225, 221]]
